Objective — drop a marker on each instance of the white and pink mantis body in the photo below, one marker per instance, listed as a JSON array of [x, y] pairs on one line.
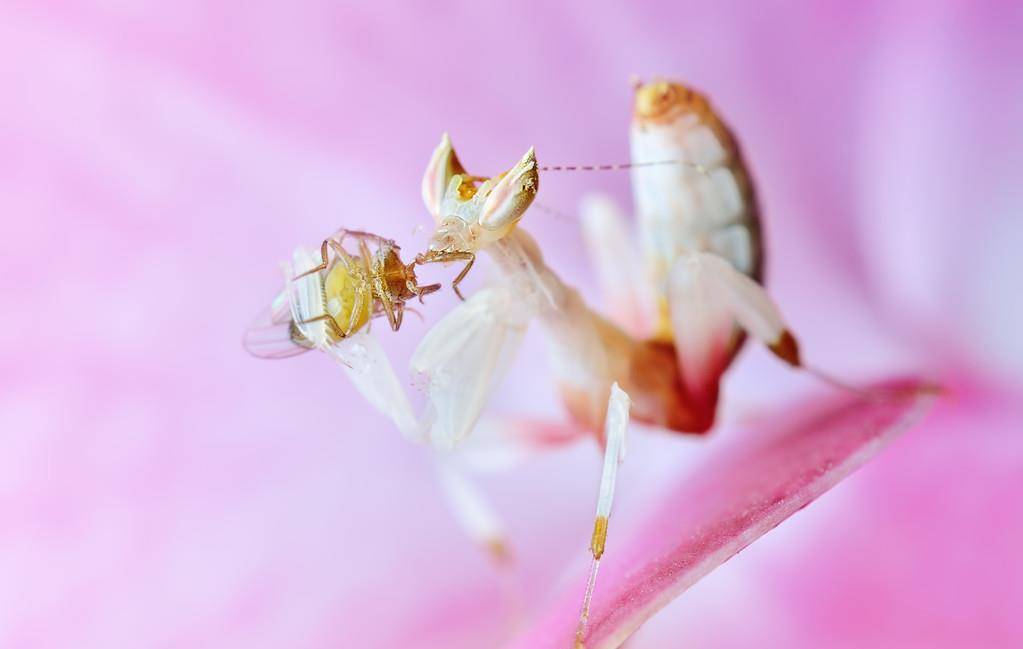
[[682, 318], [701, 242]]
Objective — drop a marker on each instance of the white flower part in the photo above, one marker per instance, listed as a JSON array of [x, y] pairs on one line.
[[615, 425], [471, 509], [370, 370], [616, 257], [462, 358]]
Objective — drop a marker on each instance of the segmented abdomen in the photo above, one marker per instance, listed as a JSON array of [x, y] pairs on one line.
[[706, 203]]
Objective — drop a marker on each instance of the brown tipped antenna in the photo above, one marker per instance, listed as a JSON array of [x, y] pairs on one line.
[[624, 165]]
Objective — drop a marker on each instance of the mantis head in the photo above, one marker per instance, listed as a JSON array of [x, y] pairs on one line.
[[472, 212]]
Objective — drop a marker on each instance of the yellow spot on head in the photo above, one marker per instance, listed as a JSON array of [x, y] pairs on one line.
[[662, 101], [340, 289], [467, 189]]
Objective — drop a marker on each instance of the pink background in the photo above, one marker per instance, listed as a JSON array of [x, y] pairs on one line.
[[160, 488]]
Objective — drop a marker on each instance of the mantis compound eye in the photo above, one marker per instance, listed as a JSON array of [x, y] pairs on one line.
[[512, 195]]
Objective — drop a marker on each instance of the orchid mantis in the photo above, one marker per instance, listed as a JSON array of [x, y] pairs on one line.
[[701, 241], [684, 312]]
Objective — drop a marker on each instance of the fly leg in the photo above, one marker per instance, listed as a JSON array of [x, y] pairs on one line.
[[420, 291], [362, 235], [331, 244], [393, 311], [323, 266], [329, 319], [614, 451]]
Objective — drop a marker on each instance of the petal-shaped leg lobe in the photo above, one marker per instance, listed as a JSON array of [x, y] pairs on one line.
[[473, 511], [705, 336], [463, 357], [711, 304], [615, 255], [370, 370]]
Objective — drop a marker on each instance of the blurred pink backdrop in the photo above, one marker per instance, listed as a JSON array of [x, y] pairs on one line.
[[160, 488]]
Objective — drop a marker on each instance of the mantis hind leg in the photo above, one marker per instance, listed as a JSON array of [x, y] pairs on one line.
[[458, 278]]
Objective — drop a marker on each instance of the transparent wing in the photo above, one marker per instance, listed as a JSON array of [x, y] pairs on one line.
[[305, 297], [463, 357], [272, 334]]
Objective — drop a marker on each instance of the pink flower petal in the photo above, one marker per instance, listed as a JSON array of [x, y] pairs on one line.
[[736, 496]]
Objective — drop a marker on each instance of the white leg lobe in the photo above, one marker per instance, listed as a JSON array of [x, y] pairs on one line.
[[615, 256], [473, 512]]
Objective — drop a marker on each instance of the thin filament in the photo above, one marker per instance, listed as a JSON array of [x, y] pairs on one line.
[[623, 165]]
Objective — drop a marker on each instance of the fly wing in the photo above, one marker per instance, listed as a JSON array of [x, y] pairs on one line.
[[272, 334], [463, 357], [364, 360], [305, 298]]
